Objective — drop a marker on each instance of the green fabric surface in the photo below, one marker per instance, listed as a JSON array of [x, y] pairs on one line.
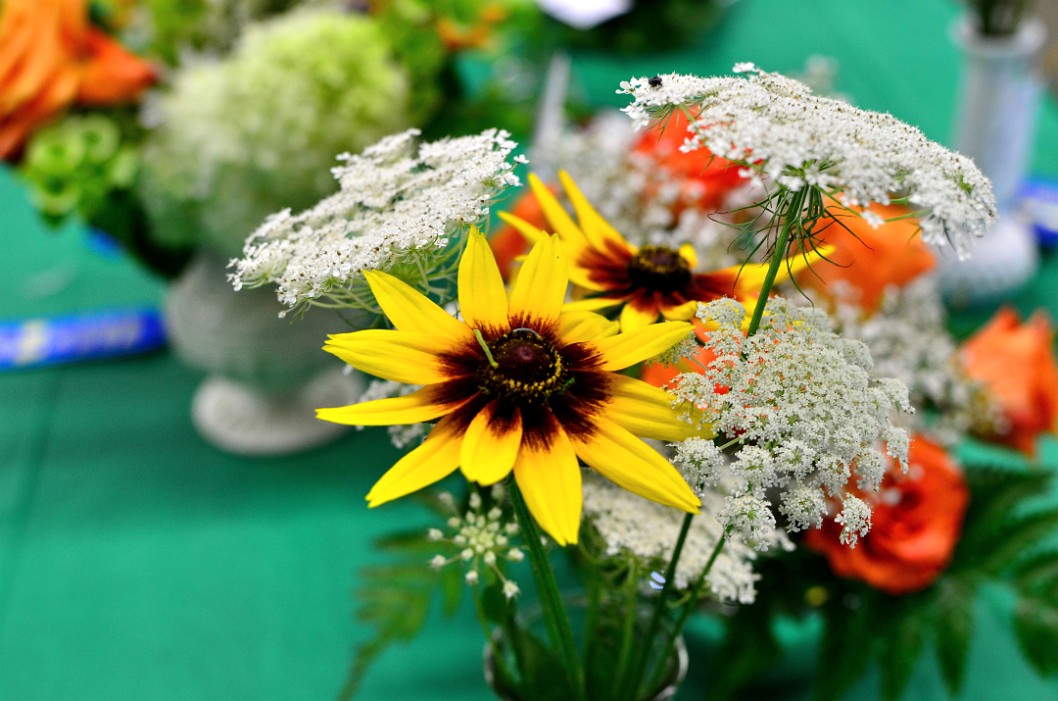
[[137, 563]]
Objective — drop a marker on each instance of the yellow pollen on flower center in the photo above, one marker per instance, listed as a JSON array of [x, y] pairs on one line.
[[527, 367], [659, 268]]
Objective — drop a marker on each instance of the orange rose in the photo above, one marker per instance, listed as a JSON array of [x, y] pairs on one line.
[[871, 259], [51, 58], [1016, 362], [705, 180], [916, 523]]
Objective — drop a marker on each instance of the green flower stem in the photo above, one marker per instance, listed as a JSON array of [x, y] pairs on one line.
[[696, 593], [639, 668], [628, 636], [550, 601], [778, 255]]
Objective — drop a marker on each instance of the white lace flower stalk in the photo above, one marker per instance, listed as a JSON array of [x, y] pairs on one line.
[[400, 209], [807, 148], [483, 540], [631, 526], [806, 415]]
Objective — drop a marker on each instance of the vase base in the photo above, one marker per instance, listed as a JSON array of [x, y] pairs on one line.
[[244, 420], [1001, 262]]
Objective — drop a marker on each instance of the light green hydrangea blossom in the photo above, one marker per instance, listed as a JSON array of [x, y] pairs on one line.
[[238, 139]]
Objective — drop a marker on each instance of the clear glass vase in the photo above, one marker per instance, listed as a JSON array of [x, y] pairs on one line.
[[519, 664]]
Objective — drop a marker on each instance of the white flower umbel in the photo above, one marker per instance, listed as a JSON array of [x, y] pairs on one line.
[[909, 341], [631, 526], [482, 538], [400, 209], [801, 407], [802, 143]]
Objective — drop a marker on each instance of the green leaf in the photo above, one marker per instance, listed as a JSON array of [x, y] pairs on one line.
[[997, 495], [396, 598], [496, 607], [749, 648], [543, 674], [1037, 572], [844, 653], [997, 491], [954, 603], [1017, 534], [901, 642], [1036, 628]]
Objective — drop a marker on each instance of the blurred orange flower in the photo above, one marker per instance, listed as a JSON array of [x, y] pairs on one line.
[[705, 180], [457, 36], [916, 524], [51, 57], [1016, 362], [661, 375], [871, 259]]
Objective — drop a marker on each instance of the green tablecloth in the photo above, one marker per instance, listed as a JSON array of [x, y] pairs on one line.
[[138, 563]]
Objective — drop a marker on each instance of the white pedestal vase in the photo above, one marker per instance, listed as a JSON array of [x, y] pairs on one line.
[[267, 375], [995, 123]]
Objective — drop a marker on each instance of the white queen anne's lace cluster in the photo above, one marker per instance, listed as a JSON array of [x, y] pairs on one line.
[[800, 404], [482, 537], [631, 525], [908, 341], [399, 210], [776, 126]]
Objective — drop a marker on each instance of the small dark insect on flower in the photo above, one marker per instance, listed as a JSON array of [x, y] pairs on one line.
[[654, 81]]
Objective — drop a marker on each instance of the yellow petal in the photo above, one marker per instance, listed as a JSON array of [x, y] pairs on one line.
[[633, 465], [542, 281], [634, 318], [550, 481], [579, 276], [410, 310], [627, 349], [596, 229], [591, 304], [482, 297], [435, 459], [688, 253], [557, 217], [575, 327], [421, 405], [526, 229], [681, 312], [401, 356], [751, 276], [490, 445], [646, 410]]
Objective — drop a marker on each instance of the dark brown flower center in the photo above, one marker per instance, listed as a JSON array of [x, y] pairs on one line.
[[527, 368], [659, 268]]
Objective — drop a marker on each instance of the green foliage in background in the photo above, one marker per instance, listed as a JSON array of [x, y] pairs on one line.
[[257, 132], [1008, 540]]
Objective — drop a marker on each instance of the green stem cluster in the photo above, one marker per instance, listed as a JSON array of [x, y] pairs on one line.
[[791, 224], [636, 676], [554, 612]]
